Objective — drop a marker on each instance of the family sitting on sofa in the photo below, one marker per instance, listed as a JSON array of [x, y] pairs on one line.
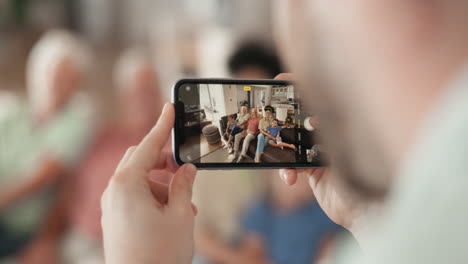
[[244, 129]]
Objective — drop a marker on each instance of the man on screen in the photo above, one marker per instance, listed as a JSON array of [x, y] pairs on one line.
[[248, 134]]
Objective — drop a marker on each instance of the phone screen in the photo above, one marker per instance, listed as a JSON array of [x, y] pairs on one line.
[[233, 123]]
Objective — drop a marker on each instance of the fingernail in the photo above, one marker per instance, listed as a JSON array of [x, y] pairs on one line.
[[190, 171], [312, 182], [284, 176]]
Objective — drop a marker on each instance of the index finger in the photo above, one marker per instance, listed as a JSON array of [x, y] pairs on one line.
[[289, 176], [284, 76], [147, 155]]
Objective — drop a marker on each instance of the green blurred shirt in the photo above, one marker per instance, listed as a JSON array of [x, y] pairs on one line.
[[242, 118], [22, 149]]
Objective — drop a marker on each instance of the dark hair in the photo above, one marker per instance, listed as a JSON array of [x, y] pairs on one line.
[[269, 108], [277, 121], [231, 116], [257, 55]]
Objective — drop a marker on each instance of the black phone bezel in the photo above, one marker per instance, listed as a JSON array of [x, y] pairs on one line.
[[178, 125]]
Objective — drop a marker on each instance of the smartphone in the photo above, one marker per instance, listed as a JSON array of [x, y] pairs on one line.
[[239, 123]]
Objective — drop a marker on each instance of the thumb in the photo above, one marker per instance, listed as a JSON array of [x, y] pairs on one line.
[[180, 188], [315, 175], [160, 191]]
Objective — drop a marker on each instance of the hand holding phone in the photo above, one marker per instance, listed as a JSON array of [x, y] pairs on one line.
[[156, 219]]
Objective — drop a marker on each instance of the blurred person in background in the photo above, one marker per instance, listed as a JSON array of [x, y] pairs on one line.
[[139, 106], [222, 197], [289, 224], [41, 141], [253, 60], [388, 80], [281, 225]]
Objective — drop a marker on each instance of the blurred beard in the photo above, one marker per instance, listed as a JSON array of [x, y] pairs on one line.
[[351, 148]]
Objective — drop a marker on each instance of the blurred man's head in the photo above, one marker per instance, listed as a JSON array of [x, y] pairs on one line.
[[373, 70], [58, 66], [253, 112], [138, 87], [254, 61]]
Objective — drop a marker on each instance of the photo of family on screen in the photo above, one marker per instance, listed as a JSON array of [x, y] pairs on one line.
[[245, 124]]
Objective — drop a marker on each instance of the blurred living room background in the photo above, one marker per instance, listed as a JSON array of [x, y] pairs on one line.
[[180, 35]]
